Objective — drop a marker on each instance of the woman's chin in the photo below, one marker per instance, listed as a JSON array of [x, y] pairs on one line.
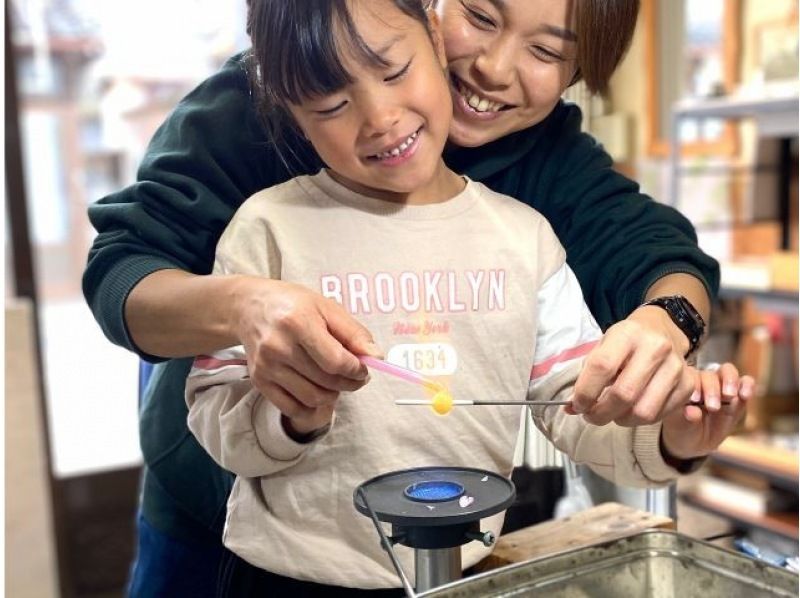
[[469, 135]]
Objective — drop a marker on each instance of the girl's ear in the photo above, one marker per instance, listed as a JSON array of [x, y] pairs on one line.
[[435, 27]]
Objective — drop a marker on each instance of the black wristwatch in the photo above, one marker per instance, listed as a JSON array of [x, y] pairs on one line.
[[685, 317]]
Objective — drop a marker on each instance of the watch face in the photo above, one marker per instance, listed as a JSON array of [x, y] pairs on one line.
[[685, 317], [691, 312]]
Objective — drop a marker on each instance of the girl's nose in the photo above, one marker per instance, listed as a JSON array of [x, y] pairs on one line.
[[380, 116], [494, 66]]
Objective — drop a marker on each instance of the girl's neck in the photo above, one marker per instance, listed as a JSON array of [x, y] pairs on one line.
[[443, 186]]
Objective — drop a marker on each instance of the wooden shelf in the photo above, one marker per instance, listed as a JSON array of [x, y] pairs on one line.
[[782, 524], [771, 294], [776, 301], [754, 454], [733, 107], [775, 116]]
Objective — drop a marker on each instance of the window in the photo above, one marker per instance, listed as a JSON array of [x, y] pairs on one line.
[[94, 80]]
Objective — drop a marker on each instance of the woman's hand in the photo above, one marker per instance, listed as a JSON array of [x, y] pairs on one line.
[[694, 431], [301, 348], [637, 373]]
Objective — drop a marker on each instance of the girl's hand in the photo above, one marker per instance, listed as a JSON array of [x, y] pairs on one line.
[[693, 431], [308, 421], [301, 348], [637, 373]]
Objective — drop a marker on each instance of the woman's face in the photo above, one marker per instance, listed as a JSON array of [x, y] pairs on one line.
[[509, 61]]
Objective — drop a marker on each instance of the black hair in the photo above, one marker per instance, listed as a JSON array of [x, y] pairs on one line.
[[295, 55]]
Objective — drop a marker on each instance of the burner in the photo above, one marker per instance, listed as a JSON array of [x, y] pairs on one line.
[[433, 510], [394, 498]]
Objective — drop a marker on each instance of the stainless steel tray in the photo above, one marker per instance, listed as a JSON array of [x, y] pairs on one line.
[[652, 564]]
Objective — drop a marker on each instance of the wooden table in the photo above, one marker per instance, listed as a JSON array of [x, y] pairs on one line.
[[607, 521]]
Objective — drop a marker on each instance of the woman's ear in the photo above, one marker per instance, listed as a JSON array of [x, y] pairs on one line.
[[435, 28]]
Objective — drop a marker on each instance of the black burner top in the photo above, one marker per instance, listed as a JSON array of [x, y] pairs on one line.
[[435, 496]]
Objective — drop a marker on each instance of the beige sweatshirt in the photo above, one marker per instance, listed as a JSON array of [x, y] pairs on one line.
[[474, 292]]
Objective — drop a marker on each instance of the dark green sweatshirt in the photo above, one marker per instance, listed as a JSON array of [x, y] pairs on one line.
[[212, 153]]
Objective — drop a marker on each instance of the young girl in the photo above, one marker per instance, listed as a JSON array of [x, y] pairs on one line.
[[452, 279]]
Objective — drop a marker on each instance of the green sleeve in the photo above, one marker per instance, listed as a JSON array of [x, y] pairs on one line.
[[207, 157], [618, 240]]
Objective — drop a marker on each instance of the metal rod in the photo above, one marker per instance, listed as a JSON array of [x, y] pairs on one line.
[[464, 403], [461, 402], [387, 545]]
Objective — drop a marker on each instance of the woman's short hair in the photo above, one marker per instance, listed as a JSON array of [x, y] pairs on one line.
[[605, 29]]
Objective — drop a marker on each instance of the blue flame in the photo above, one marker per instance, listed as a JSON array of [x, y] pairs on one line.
[[434, 491]]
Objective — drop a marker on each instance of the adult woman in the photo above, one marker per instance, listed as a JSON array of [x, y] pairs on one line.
[[510, 61]]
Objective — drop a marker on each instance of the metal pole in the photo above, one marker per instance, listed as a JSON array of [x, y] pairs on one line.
[[663, 501], [435, 567], [675, 160]]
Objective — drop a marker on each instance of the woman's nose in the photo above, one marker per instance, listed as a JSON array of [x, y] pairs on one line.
[[494, 66]]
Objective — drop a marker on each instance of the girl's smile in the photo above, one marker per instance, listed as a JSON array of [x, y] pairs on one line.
[[398, 153]]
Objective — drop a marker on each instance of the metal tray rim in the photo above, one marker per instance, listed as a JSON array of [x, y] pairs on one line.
[[651, 543]]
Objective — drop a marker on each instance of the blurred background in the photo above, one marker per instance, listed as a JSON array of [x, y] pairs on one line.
[[90, 81], [703, 113]]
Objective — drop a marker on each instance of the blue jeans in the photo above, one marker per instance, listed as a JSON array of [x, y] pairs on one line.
[[166, 567]]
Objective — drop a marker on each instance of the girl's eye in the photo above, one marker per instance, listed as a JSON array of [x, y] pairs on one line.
[[546, 55], [399, 74], [478, 18], [331, 111]]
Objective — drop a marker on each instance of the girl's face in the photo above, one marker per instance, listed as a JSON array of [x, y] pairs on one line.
[[509, 61], [383, 135]]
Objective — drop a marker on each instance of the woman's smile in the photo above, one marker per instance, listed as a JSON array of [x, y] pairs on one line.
[[509, 63], [473, 104]]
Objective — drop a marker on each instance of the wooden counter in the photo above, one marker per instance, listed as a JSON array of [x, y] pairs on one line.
[[604, 522]]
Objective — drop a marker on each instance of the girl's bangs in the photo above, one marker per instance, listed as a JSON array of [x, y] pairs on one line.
[[304, 58]]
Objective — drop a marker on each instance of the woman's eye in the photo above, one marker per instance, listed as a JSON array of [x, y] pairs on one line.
[[545, 54], [399, 74], [480, 19]]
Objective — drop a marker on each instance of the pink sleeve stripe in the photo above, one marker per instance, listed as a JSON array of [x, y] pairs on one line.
[[207, 362], [540, 369]]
